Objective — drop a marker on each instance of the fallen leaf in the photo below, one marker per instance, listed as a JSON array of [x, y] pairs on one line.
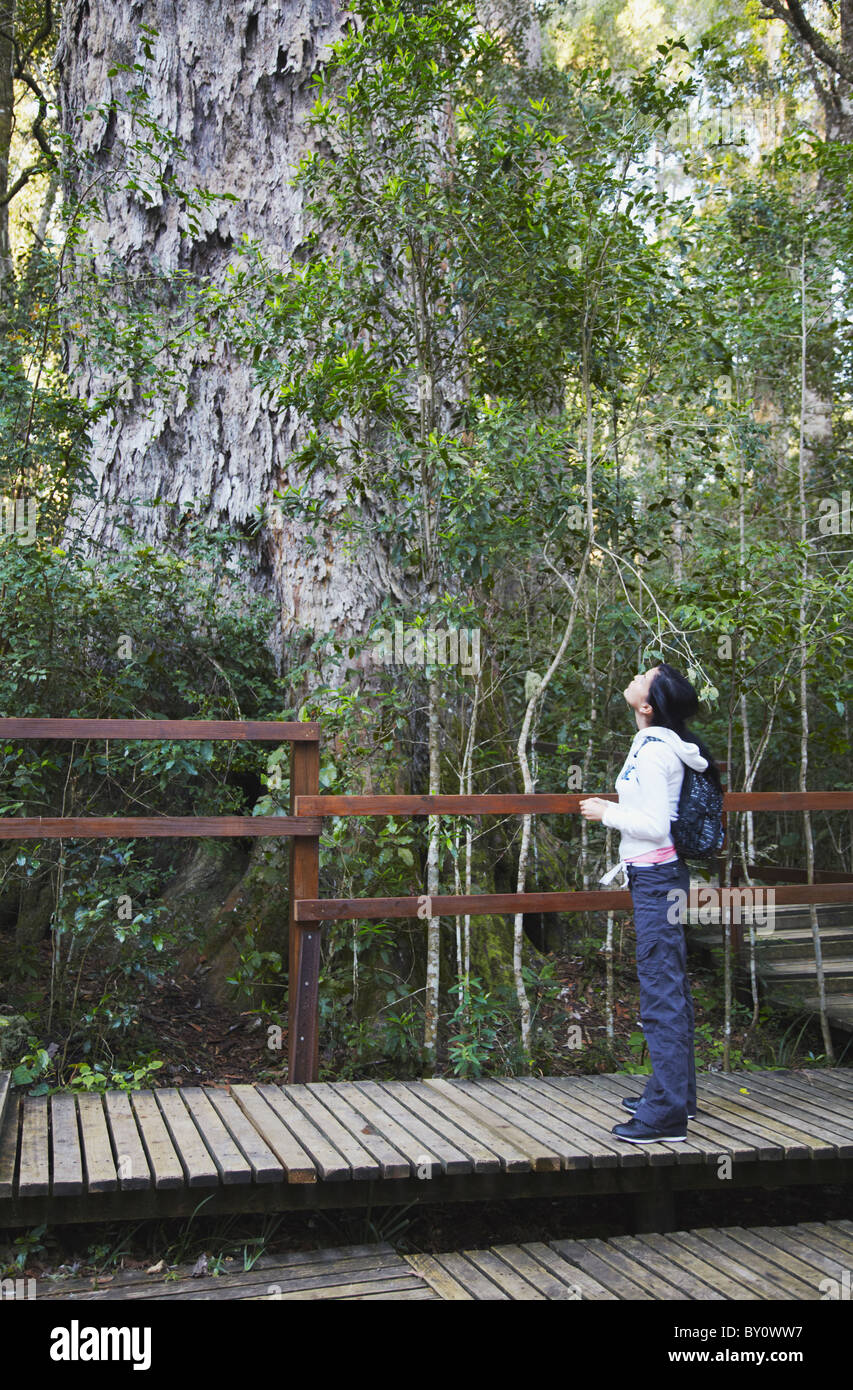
[[200, 1267], [158, 1268]]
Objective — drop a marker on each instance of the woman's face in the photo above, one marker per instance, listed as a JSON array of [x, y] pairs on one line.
[[637, 693]]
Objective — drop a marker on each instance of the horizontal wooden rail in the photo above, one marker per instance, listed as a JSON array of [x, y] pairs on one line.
[[147, 827], [506, 904], [304, 832], [546, 803], [477, 904], [490, 804], [782, 873], [272, 731], [788, 801]]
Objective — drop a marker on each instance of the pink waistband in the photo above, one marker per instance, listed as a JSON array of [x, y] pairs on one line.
[[656, 856]]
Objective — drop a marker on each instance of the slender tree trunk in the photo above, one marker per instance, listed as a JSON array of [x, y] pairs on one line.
[[7, 120], [803, 655], [530, 717]]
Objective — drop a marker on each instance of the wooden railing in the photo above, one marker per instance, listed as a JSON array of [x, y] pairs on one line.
[[308, 808], [304, 831]]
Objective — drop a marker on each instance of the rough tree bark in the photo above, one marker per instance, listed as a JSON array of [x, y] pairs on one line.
[[230, 78]]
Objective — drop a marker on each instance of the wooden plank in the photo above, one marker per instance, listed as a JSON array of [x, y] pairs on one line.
[[524, 1114], [331, 1165], [502, 1273], [448, 1288], [545, 803], [779, 1280], [588, 1134], [34, 1174], [199, 1168], [433, 1146], [543, 1148], [460, 1268], [588, 1260], [823, 1255], [163, 1161], [796, 1266], [752, 1109], [638, 1272], [417, 1098], [256, 730], [326, 1132], [478, 904], [825, 1096], [9, 1134], [489, 804], [574, 1152], [391, 1163], [824, 1236], [579, 1282], [324, 1275], [148, 827], [687, 1283], [828, 1087], [231, 1164], [516, 1146], [263, 1162], [526, 1266], [399, 1137], [298, 1165], [298, 1263], [698, 1265], [421, 1294], [589, 1123], [67, 1160], [507, 904], [98, 1162], [718, 1259], [577, 1151], [788, 801], [811, 1113], [134, 1175]]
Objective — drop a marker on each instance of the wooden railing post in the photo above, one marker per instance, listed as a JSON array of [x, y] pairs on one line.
[[304, 937]]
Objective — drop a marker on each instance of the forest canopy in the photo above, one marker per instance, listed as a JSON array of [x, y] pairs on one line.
[[427, 373]]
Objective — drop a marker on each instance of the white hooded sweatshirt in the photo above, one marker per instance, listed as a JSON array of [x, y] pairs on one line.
[[649, 786]]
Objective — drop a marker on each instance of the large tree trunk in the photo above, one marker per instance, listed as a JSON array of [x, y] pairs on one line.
[[230, 78]]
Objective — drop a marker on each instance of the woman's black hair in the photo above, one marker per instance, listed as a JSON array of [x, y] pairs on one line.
[[674, 700]]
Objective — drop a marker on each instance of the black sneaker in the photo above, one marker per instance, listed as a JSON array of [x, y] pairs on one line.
[[631, 1103], [637, 1133]]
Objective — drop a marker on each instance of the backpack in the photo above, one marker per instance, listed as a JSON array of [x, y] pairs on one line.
[[698, 832]]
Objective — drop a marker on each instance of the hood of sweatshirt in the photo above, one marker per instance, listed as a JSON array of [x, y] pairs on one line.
[[687, 752]]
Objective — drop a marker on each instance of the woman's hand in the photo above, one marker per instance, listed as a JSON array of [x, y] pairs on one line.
[[593, 807]]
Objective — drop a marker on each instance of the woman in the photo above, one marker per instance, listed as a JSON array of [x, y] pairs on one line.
[[649, 786]]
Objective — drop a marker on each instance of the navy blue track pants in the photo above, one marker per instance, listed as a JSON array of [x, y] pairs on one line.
[[666, 1004]]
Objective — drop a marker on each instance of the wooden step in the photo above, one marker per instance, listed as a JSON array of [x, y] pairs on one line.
[[784, 975]]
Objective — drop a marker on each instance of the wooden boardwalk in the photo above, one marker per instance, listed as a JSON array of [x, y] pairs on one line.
[[733, 1263], [165, 1152]]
